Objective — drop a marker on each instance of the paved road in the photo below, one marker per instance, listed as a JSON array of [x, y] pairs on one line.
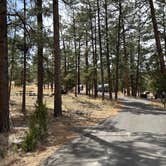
[[135, 137]]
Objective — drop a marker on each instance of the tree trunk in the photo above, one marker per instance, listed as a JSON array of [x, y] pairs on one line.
[[86, 62], [57, 62], [132, 71], [95, 59], [75, 51], [40, 52], [138, 58], [126, 74], [93, 49], [24, 65], [157, 37], [117, 52], [165, 38], [107, 51], [78, 72], [100, 51], [164, 27], [4, 102]]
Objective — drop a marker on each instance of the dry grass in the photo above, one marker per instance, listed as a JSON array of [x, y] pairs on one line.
[[157, 103], [81, 111]]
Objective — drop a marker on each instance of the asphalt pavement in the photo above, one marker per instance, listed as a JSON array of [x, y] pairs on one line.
[[135, 137]]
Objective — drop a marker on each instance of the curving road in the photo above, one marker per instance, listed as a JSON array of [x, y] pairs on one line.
[[135, 137]]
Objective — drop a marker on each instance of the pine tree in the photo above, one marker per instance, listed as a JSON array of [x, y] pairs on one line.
[[57, 63], [40, 51], [4, 102], [157, 37], [24, 63]]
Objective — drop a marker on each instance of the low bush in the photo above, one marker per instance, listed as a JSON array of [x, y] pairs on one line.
[[37, 128]]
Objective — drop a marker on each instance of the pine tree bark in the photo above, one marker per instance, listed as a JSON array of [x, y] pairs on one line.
[[132, 79], [157, 37], [57, 62], [93, 48], [86, 61], [126, 79], [95, 59], [138, 58], [24, 65], [78, 66], [165, 38], [107, 52], [118, 52], [40, 52], [75, 52], [4, 102], [100, 49], [164, 28]]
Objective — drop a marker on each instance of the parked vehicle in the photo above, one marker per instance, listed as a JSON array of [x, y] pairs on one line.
[[62, 91], [106, 88], [147, 95]]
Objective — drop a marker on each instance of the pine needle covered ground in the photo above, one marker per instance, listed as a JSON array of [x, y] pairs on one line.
[[78, 111]]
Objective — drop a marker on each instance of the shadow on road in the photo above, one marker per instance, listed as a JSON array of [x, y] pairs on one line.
[[138, 152], [143, 149], [111, 144], [137, 107]]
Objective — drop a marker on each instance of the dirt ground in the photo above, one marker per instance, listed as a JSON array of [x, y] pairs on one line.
[[77, 112]]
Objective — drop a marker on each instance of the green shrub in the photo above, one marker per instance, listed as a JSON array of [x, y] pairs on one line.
[[30, 141], [158, 83], [37, 128]]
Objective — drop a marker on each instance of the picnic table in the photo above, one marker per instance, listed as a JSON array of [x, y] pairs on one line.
[[29, 93]]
